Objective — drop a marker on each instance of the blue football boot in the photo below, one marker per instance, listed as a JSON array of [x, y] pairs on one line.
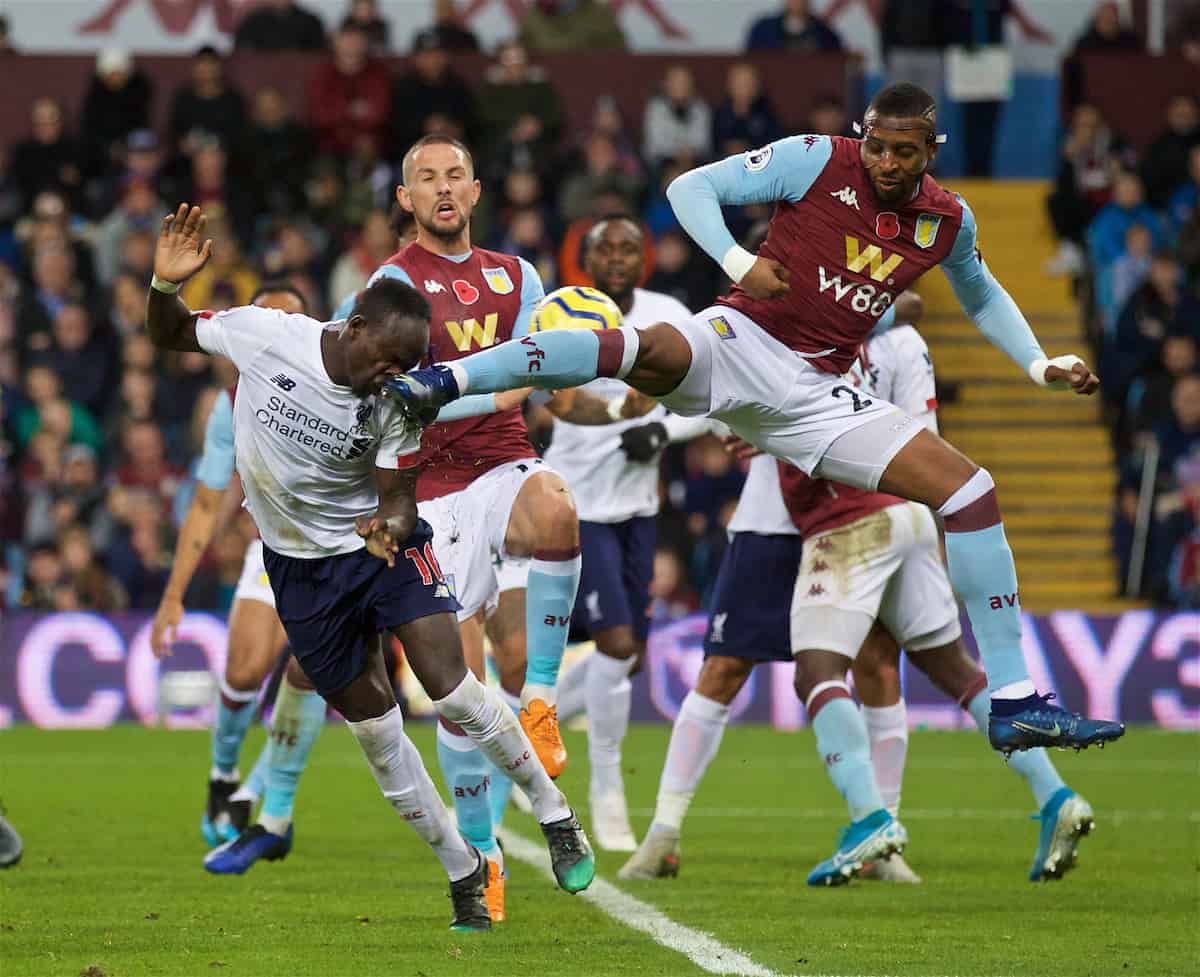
[[876, 836], [1034, 722], [235, 857], [1066, 818], [223, 819], [422, 393]]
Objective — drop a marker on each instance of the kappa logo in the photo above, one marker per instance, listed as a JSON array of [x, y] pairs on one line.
[[717, 635], [848, 196], [466, 293], [433, 287], [881, 263], [283, 381], [464, 333], [824, 545]]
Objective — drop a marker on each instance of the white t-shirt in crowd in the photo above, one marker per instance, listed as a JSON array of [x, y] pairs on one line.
[[306, 447]]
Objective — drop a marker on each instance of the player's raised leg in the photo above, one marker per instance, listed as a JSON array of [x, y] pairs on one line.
[[695, 739], [1064, 815]]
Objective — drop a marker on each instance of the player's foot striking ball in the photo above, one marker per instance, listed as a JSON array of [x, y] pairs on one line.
[[235, 857]]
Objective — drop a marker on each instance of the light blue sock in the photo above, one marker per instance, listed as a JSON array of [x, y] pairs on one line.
[[549, 601], [1034, 766], [233, 720], [501, 786], [985, 579], [255, 785], [468, 775], [298, 720], [549, 360], [845, 748]]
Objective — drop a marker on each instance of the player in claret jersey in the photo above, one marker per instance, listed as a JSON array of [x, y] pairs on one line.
[[856, 222]]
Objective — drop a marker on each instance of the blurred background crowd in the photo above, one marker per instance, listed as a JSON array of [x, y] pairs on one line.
[[100, 434]]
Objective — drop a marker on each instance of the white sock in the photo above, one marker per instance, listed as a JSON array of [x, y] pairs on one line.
[[608, 719], [695, 739], [887, 728], [571, 683], [1015, 690], [485, 718], [405, 783], [531, 690]]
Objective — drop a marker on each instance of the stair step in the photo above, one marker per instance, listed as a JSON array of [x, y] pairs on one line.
[[1074, 484], [1028, 424], [1044, 547], [1053, 522], [1061, 594]]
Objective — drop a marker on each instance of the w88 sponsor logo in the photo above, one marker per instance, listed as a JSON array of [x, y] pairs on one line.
[[867, 299]]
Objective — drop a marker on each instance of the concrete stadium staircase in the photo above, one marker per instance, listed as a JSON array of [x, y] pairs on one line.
[[1048, 452]]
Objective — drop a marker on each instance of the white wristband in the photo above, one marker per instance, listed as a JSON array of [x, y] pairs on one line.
[[615, 405], [737, 262], [164, 286], [1037, 370]]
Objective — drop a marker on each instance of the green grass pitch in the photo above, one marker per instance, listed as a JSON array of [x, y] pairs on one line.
[[111, 879]]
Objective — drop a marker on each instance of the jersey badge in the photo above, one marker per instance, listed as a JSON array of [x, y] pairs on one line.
[[497, 280], [926, 229], [433, 287], [848, 196], [722, 327], [887, 225], [717, 635], [466, 293], [759, 159]]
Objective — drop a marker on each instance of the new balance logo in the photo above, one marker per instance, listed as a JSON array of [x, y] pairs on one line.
[[718, 628], [998, 601], [848, 196], [433, 287], [283, 382]]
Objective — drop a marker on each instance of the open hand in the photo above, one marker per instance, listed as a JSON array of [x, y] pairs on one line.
[[182, 249], [380, 541], [1079, 378], [164, 631], [766, 279]]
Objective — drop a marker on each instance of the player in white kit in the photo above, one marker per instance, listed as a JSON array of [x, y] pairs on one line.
[[346, 553], [613, 473]]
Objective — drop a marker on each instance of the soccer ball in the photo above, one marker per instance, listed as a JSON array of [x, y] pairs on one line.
[[576, 307]]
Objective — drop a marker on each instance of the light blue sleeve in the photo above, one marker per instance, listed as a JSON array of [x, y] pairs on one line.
[[783, 170], [216, 463], [984, 299], [473, 405], [532, 292], [383, 271]]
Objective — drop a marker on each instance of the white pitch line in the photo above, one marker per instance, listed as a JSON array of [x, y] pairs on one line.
[[703, 950]]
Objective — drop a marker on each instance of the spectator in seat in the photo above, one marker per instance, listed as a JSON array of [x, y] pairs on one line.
[[1131, 268], [526, 236], [127, 304], [828, 117], [208, 104], [279, 150], [366, 14], [551, 26], [678, 122], [77, 496], [48, 412], [1105, 34], [1185, 200], [54, 285], [452, 35], [92, 587], [80, 358], [1089, 160], [794, 28], [681, 272], [48, 159], [602, 171], [373, 247], [431, 96], [349, 96], [520, 113], [279, 25], [1165, 163], [210, 183], [43, 575], [745, 119], [670, 595], [1183, 33], [117, 103], [226, 267], [140, 209], [139, 557], [1106, 234], [145, 464]]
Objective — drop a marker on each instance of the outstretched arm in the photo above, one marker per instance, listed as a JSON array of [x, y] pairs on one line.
[[182, 250], [577, 406], [1001, 322], [783, 170]]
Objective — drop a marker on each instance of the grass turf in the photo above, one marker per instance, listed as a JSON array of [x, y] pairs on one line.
[[111, 877]]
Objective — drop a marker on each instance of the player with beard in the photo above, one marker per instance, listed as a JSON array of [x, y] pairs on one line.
[[348, 557], [856, 222]]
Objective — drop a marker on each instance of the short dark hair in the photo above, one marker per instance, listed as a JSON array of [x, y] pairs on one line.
[[589, 239], [436, 139], [279, 285], [904, 100], [400, 220], [389, 299]]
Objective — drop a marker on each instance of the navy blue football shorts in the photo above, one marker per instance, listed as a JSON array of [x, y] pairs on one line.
[[614, 584], [752, 598]]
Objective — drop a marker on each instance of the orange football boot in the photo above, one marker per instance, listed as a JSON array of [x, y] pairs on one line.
[[493, 892], [540, 723]]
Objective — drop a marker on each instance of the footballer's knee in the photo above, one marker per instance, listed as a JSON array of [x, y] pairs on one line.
[[815, 667], [543, 517], [951, 670], [618, 642], [876, 669], [722, 677], [663, 359]]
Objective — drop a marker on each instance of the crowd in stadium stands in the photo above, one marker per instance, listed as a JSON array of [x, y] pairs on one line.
[[100, 433], [1128, 225]]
